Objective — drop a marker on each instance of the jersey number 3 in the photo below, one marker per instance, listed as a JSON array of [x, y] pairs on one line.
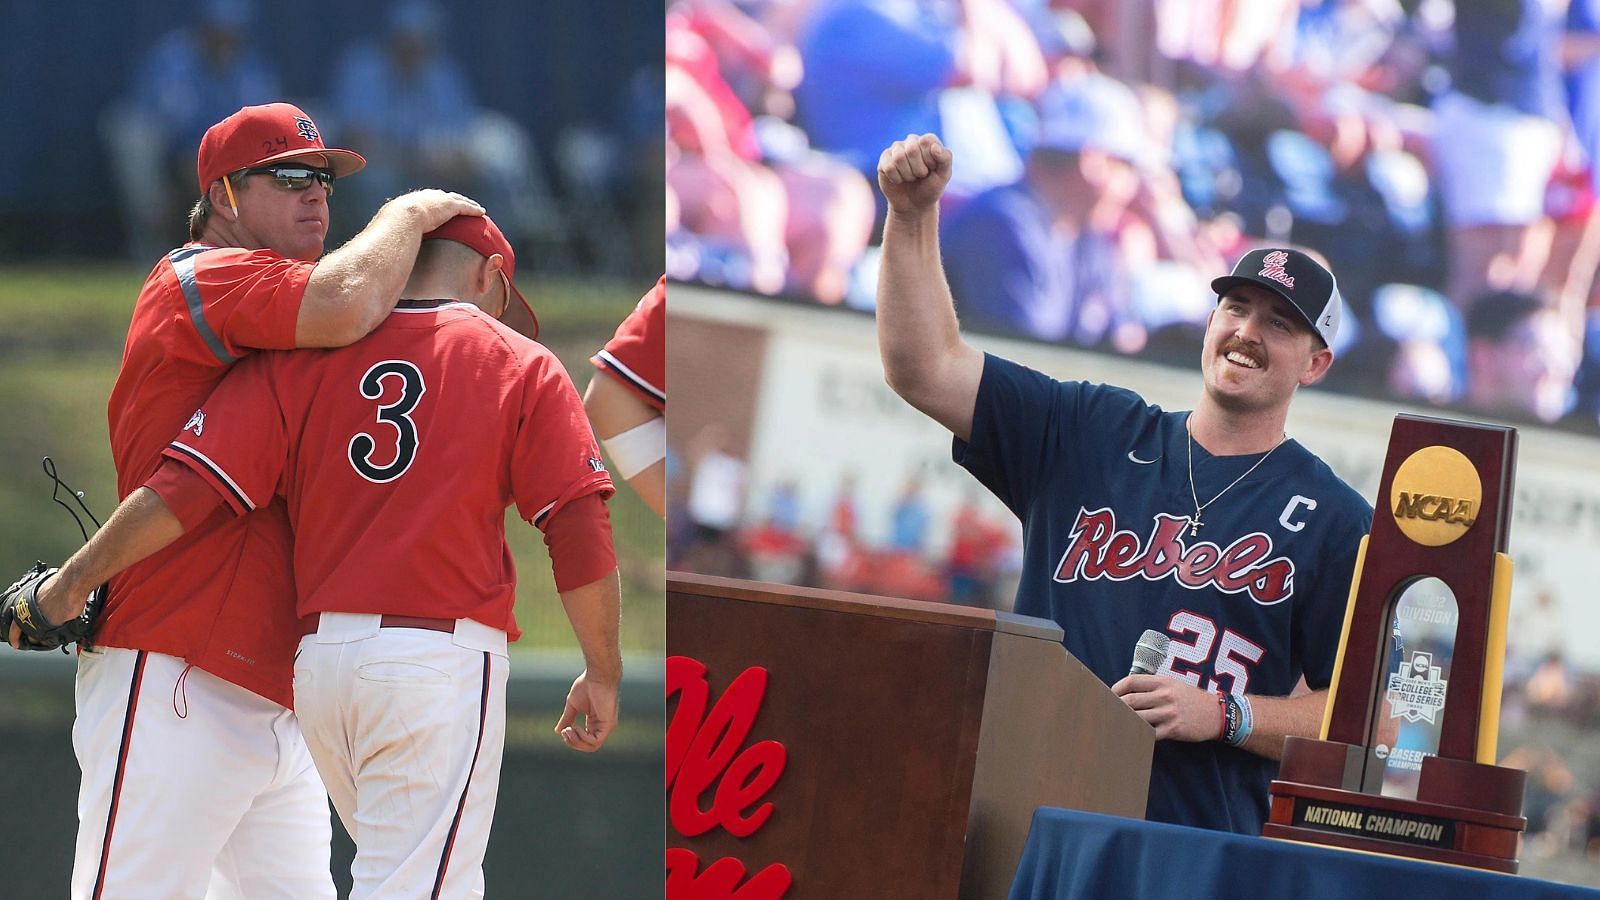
[[396, 415]]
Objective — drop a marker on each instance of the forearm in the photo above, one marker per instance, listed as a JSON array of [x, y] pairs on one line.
[[915, 310], [1276, 718], [594, 610], [918, 335], [138, 528], [353, 288], [638, 456], [651, 485]]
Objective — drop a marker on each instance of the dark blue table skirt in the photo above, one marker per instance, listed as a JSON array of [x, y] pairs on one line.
[[1074, 855]]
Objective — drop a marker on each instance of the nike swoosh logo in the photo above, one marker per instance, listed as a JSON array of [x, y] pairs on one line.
[[1142, 462]]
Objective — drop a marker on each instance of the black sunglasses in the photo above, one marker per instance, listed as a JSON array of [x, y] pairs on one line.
[[296, 177]]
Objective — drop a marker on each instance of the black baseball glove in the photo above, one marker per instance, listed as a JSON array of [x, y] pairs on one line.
[[19, 605]]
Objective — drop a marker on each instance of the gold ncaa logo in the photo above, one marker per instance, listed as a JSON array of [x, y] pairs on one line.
[[1435, 495]]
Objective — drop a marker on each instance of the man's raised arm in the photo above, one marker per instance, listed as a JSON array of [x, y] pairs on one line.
[[925, 360]]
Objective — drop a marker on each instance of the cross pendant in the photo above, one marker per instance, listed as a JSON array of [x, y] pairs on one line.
[[1194, 525]]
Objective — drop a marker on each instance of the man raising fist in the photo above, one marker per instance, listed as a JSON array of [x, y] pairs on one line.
[[1113, 493]]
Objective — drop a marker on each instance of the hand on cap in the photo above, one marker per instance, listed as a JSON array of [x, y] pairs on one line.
[[913, 173], [433, 208]]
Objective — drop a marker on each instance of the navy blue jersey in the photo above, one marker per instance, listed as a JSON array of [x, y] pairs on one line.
[[1251, 602]]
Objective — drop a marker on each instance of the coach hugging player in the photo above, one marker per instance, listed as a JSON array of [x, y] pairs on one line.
[[391, 459]]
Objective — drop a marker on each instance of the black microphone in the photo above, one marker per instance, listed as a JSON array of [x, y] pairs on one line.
[[1149, 652]]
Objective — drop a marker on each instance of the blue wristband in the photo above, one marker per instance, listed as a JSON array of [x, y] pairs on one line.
[[1245, 718]]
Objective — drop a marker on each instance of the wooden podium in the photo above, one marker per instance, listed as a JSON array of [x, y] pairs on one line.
[[917, 739]]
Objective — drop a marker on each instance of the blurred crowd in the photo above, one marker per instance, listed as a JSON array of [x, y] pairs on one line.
[[785, 534], [401, 97], [1549, 710], [1112, 156]]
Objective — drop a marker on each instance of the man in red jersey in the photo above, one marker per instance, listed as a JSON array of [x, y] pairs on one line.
[[628, 406], [196, 780], [398, 456]]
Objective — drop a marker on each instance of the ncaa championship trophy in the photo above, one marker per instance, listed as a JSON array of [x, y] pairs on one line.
[[1405, 765]]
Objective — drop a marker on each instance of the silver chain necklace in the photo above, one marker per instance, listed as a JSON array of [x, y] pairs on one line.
[[1194, 520]]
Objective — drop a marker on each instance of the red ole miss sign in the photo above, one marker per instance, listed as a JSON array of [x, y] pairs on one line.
[[707, 760]]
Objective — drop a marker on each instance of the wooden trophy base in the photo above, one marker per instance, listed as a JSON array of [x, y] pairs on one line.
[[1466, 813]]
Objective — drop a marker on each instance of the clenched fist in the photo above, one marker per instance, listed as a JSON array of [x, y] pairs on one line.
[[913, 173]]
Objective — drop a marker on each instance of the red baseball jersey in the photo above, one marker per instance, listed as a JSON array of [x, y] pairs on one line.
[[399, 455], [218, 597], [637, 354]]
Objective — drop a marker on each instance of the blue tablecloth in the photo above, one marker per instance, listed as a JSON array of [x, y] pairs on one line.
[[1074, 855]]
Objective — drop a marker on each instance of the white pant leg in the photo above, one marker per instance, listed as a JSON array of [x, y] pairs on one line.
[[415, 720], [324, 728], [173, 759], [281, 848]]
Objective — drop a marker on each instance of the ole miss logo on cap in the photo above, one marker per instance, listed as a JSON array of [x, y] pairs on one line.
[[1272, 267]]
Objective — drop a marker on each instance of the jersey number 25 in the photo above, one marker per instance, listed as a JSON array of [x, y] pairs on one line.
[[1235, 653]]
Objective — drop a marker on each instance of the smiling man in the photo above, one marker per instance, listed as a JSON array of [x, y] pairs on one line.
[[1211, 526]]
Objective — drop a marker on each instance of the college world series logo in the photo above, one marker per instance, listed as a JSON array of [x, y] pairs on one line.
[[1416, 692]]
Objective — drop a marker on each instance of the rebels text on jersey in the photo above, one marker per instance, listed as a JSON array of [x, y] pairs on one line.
[[1252, 600], [1099, 550]]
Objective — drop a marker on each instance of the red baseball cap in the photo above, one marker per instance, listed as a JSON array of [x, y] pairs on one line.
[[481, 234], [257, 135]]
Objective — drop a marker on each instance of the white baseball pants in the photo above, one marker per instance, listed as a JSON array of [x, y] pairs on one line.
[[193, 787], [407, 727]]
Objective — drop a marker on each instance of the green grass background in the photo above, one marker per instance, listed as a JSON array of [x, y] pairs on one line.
[[61, 336]]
